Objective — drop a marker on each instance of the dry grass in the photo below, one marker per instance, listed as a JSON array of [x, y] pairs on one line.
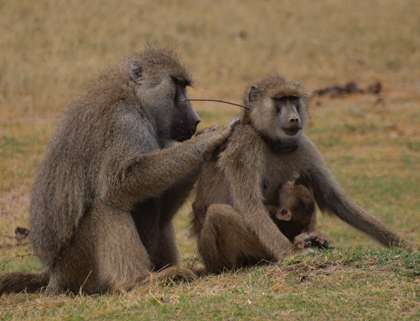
[[50, 49]]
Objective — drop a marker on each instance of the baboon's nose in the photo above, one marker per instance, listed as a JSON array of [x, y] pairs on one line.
[[294, 120]]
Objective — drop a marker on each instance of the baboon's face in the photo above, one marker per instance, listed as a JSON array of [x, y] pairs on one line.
[[289, 121], [296, 203], [280, 117], [184, 119], [164, 95]]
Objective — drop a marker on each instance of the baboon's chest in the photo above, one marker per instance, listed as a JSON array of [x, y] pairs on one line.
[[279, 168]]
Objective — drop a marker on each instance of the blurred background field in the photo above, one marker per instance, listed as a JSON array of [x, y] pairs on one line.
[[49, 50]]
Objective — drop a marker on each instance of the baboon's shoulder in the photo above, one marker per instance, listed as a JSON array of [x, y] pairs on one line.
[[244, 146]]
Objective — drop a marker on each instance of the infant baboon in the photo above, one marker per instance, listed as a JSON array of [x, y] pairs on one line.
[[265, 150], [296, 216], [113, 178]]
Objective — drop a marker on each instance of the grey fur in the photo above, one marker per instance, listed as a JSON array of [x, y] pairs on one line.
[[114, 176]]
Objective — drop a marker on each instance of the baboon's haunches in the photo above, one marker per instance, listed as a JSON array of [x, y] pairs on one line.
[[266, 149], [117, 169]]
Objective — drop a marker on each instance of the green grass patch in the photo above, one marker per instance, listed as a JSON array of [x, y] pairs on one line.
[[10, 146], [396, 260]]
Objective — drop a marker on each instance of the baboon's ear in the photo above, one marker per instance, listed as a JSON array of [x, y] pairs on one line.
[[253, 94], [135, 71]]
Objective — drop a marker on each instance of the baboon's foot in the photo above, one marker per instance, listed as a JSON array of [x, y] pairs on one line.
[[313, 239], [54, 286], [167, 276], [174, 274], [125, 286]]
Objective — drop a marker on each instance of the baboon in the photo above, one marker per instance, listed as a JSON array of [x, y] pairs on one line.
[[266, 149], [119, 166], [296, 216]]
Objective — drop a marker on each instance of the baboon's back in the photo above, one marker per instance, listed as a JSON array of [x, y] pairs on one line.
[[64, 187]]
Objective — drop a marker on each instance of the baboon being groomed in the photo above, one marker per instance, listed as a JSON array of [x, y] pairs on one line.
[[296, 216], [266, 149], [119, 166]]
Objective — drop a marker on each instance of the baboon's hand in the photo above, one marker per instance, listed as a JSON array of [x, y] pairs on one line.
[[313, 239], [175, 274], [210, 140], [233, 123], [206, 130], [218, 139]]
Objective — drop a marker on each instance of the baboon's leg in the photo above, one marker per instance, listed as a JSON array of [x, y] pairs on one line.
[[107, 255], [167, 252], [225, 242], [122, 259]]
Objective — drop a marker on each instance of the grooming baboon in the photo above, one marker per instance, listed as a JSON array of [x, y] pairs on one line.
[[296, 216], [113, 178], [266, 149]]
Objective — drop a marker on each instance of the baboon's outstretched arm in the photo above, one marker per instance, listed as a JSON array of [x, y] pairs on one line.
[[173, 198], [330, 197], [137, 176]]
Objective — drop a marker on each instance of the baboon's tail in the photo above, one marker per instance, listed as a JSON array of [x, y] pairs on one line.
[[19, 282]]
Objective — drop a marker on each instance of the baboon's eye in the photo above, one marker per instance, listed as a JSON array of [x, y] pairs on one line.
[[178, 93], [286, 99], [297, 105], [277, 106], [181, 81], [136, 72]]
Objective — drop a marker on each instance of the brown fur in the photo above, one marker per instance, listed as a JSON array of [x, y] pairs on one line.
[[23, 282], [113, 178], [230, 218], [296, 216], [296, 212]]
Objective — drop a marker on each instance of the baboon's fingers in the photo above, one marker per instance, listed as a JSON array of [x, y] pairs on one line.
[[224, 135], [217, 139], [200, 272], [311, 240], [174, 274], [214, 128], [206, 130], [320, 241], [301, 241]]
